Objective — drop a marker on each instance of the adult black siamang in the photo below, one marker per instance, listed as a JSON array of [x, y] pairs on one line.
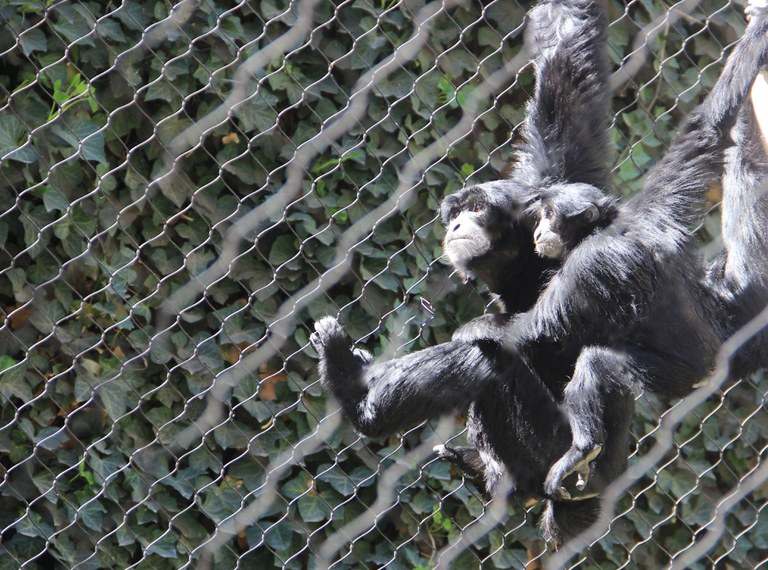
[[516, 424]]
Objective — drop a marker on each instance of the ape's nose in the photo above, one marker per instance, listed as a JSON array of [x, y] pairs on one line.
[[537, 234], [456, 226]]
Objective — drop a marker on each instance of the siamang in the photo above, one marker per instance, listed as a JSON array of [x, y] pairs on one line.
[[516, 423], [632, 291], [568, 214]]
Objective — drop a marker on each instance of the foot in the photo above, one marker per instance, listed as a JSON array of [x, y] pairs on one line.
[[341, 369], [328, 333], [449, 453], [574, 461]]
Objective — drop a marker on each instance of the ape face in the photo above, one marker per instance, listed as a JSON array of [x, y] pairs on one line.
[[484, 223], [569, 214], [466, 236]]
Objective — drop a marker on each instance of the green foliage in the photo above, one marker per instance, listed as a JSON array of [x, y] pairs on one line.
[[98, 385]]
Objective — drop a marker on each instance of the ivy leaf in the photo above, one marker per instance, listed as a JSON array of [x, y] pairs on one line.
[[256, 115], [165, 547], [117, 398], [75, 24], [84, 137], [162, 90], [54, 200], [283, 249], [313, 508], [92, 515], [13, 140], [13, 381], [296, 486], [280, 536], [346, 484], [33, 40], [220, 502]]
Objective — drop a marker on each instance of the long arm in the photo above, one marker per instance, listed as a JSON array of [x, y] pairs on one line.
[[745, 198], [615, 268], [606, 282], [566, 127], [423, 385], [386, 397], [675, 189]]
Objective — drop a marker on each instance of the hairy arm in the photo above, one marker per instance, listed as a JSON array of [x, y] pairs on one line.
[[613, 270], [566, 126], [386, 397], [422, 385], [607, 280], [675, 189]]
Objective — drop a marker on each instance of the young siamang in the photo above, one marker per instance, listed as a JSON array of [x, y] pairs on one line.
[[515, 423], [632, 290], [568, 213]]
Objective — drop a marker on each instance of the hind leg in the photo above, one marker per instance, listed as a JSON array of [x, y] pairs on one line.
[[602, 385], [465, 458], [486, 470]]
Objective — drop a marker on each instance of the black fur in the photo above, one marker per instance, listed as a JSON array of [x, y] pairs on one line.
[[516, 424], [740, 275], [510, 266], [635, 293], [568, 214]]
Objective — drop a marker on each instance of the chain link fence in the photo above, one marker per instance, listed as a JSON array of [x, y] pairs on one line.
[[185, 188]]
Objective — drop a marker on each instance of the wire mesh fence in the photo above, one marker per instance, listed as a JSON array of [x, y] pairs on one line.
[[186, 188]]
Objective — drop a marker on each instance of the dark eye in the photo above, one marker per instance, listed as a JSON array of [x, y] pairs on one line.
[[478, 207], [549, 214]]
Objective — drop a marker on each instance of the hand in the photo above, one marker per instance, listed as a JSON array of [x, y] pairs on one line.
[[328, 332]]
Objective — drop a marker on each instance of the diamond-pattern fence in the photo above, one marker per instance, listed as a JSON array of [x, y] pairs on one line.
[[185, 188]]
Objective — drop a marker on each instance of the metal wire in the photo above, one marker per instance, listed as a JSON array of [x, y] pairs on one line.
[[185, 188]]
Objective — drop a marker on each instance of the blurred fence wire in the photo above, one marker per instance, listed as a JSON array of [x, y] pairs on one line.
[[185, 189]]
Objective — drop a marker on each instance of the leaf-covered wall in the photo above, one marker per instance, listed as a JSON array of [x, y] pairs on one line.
[[157, 410]]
